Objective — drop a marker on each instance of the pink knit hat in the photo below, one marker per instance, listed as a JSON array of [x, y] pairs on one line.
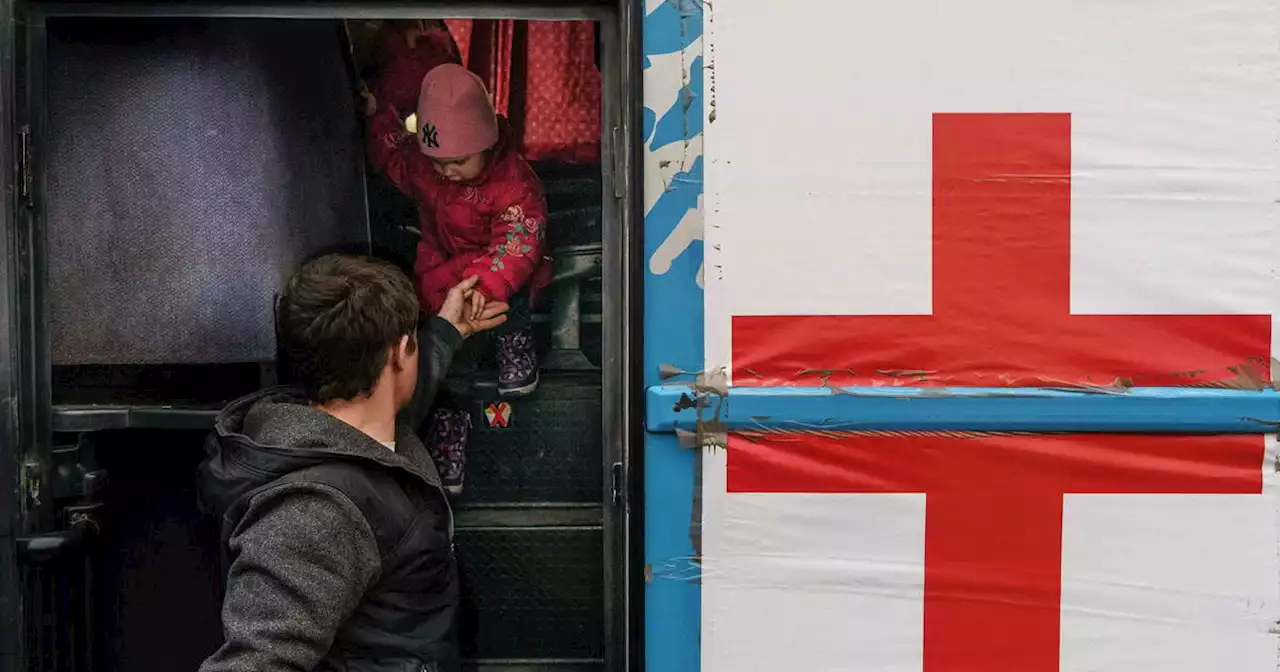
[[455, 115]]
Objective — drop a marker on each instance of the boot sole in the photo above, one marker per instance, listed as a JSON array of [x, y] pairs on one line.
[[520, 391]]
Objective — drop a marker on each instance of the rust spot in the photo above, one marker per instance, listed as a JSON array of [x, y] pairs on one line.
[[1248, 376], [825, 372]]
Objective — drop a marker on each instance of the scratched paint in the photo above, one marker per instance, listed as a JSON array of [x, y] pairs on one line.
[[672, 131]]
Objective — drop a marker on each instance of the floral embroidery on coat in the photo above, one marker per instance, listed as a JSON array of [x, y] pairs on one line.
[[522, 234]]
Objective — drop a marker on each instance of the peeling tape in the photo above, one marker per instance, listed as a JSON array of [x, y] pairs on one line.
[[681, 568], [710, 432], [1117, 386], [684, 403], [713, 382], [695, 515], [667, 372]]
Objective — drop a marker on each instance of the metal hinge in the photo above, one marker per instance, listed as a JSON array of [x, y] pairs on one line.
[[616, 473], [24, 165]]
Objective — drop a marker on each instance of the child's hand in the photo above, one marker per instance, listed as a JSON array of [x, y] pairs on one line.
[[458, 309], [370, 103], [477, 304], [493, 314]]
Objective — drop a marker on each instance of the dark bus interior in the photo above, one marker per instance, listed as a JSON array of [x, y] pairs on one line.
[[184, 165]]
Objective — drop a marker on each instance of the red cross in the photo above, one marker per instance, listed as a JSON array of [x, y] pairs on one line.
[[1001, 287], [993, 520], [499, 414]]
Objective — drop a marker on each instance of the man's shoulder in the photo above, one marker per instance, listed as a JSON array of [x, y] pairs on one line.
[[374, 493], [365, 484]]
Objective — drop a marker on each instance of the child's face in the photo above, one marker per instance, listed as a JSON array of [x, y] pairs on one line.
[[464, 169]]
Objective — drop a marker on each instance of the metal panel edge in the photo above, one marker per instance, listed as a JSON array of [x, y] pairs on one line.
[[619, 386], [11, 451], [630, 180], [33, 371]]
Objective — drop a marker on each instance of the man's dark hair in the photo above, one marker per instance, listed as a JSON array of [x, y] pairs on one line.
[[337, 320]]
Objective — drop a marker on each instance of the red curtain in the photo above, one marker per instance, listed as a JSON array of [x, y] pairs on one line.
[[542, 75]]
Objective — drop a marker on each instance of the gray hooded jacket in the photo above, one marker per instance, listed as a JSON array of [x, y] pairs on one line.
[[338, 551]]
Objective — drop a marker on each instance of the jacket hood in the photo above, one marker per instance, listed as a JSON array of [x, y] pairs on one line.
[[269, 434]]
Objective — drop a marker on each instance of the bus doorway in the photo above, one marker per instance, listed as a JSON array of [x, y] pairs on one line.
[[182, 160]]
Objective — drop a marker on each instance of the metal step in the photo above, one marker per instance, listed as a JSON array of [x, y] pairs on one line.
[[530, 538]]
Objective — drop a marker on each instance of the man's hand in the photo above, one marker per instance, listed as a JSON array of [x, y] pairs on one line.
[[460, 311]]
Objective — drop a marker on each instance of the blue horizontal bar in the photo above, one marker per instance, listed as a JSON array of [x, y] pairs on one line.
[[1141, 409]]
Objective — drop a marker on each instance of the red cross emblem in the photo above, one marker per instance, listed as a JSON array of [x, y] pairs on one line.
[[498, 414], [993, 516], [993, 528], [1001, 288]]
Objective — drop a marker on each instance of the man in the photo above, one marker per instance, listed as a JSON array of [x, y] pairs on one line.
[[334, 522]]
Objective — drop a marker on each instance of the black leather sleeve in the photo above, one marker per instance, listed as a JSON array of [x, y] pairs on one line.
[[438, 341]]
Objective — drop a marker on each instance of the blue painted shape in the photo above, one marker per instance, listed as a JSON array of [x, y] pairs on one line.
[[674, 297], [680, 197], [673, 335], [684, 119], [1148, 409], [673, 598], [672, 27]]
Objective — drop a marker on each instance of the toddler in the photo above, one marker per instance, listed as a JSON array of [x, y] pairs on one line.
[[481, 212]]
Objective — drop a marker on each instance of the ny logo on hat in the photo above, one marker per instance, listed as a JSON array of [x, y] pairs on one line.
[[429, 137]]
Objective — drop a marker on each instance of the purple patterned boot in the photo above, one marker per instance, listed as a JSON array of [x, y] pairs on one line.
[[517, 364], [447, 443]]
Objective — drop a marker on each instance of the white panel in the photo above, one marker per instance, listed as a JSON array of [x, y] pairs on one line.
[[819, 156], [1177, 583], [819, 583]]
